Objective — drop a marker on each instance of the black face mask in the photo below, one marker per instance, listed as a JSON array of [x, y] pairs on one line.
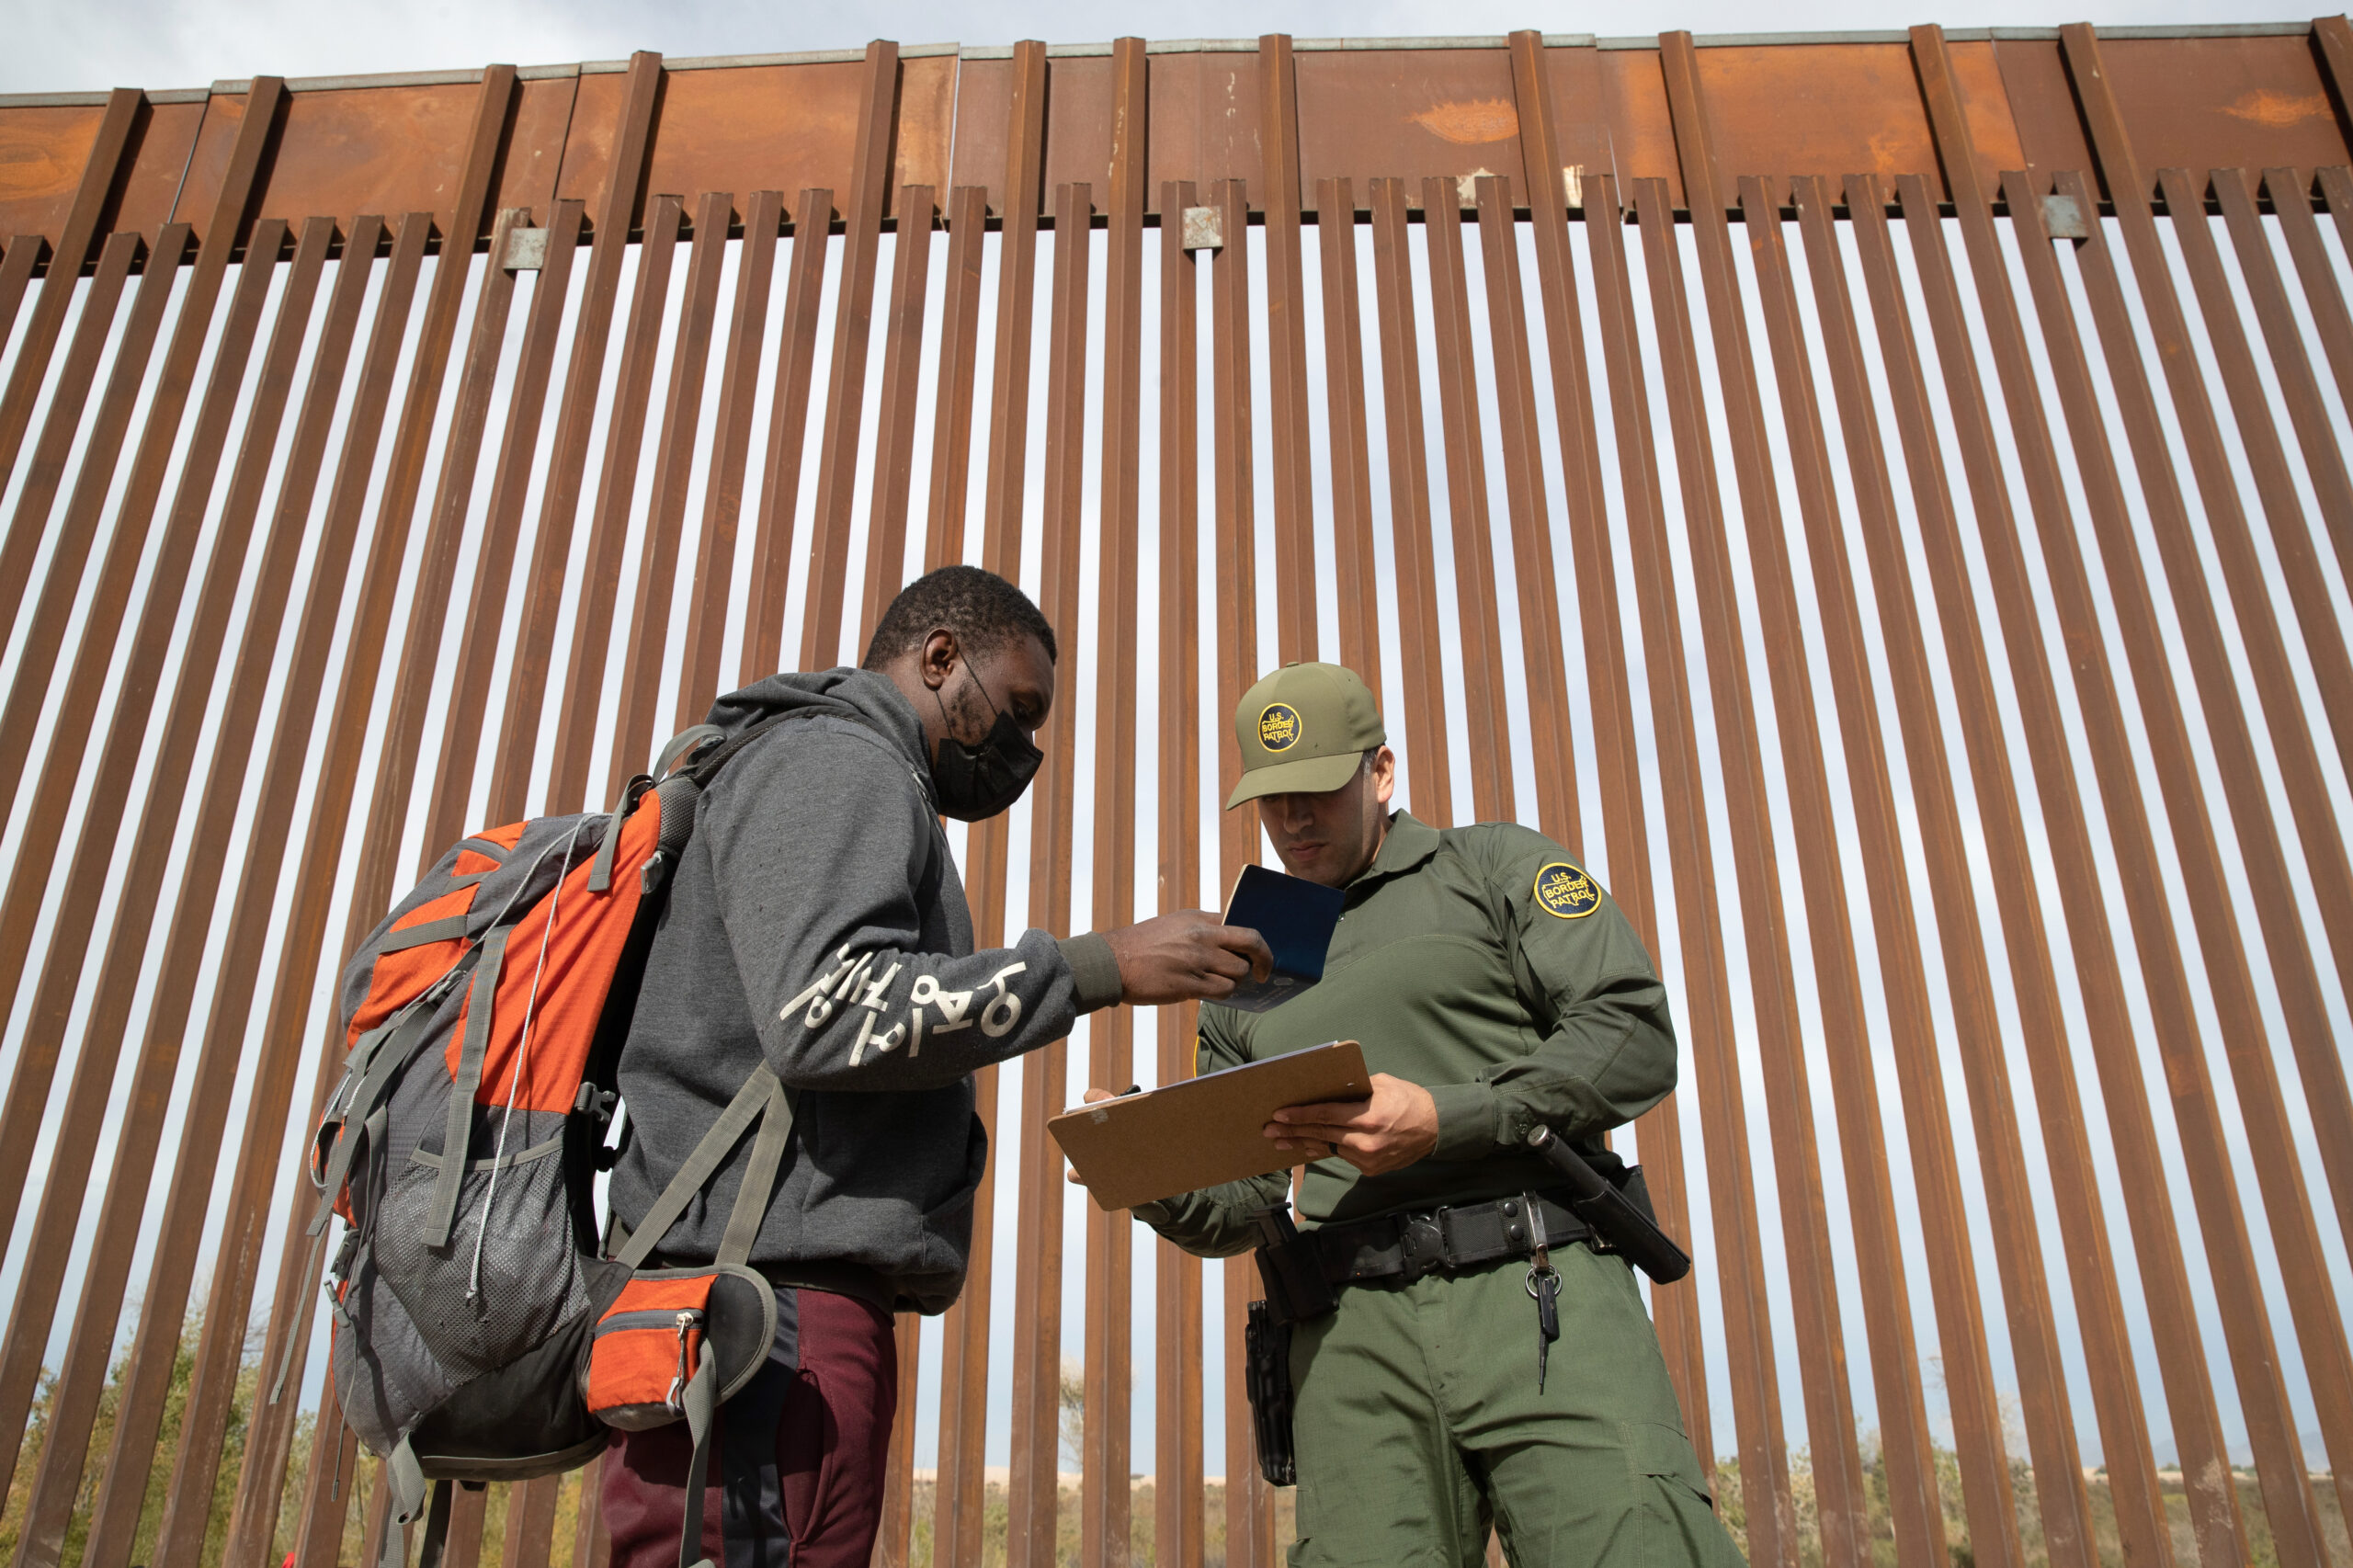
[[975, 782]]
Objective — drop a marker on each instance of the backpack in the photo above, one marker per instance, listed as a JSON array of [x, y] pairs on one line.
[[481, 1329]]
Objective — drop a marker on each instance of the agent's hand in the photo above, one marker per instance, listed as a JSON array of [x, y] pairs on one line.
[[1090, 1098], [1187, 956], [1396, 1127]]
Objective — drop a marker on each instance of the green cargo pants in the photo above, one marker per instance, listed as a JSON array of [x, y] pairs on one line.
[[1419, 1426]]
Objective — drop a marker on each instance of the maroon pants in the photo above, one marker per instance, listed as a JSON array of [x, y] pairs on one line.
[[811, 1434]]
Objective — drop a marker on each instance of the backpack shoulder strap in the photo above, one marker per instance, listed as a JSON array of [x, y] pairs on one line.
[[763, 1099], [705, 768], [752, 1199], [679, 753]]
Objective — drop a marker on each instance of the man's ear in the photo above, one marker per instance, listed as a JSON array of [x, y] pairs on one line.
[[1384, 775], [940, 656]]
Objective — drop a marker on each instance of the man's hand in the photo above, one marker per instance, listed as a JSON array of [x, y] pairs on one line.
[[1396, 1127], [1187, 956]]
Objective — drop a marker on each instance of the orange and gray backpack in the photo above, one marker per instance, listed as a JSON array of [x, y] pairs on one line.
[[482, 1331]]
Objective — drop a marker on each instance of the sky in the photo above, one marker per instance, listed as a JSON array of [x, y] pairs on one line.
[[187, 43]]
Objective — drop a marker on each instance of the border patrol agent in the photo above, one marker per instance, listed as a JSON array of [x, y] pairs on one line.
[[1494, 987]]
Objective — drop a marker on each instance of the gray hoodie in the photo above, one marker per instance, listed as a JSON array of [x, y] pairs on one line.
[[816, 921]]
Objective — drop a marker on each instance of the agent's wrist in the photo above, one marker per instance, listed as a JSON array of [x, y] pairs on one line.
[[1467, 1116]]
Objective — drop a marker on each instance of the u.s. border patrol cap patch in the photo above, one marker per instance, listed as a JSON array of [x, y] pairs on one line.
[[1280, 726], [1565, 891]]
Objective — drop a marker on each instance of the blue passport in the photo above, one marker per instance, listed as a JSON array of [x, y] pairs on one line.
[[1297, 917]]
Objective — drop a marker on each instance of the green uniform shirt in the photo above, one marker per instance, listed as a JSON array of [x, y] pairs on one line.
[[1483, 965]]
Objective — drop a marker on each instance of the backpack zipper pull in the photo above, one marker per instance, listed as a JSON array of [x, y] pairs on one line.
[[677, 1396]]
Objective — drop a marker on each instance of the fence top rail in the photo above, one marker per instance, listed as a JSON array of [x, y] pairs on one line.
[[1774, 106], [238, 86]]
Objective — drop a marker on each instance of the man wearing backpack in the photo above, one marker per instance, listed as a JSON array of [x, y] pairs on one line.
[[816, 923]]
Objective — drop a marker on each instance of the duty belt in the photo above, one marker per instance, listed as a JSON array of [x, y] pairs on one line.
[[1300, 1267], [1404, 1247]]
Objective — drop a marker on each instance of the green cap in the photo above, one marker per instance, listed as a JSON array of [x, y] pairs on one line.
[[1303, 730]]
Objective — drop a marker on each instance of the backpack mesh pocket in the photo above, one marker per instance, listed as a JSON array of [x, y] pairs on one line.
[[384, 1372], [497, 1288]]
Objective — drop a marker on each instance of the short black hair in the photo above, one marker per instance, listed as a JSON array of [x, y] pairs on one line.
[[982, 609]]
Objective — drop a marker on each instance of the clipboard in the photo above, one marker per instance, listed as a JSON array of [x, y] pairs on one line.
[[1297, 917], [1199, 1131]]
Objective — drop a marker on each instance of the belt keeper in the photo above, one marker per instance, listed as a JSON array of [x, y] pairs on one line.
[[1421, 1244]]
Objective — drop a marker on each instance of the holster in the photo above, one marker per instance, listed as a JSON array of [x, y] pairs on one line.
[[1290, 1270], [1267, 1346], [1296, 1290]]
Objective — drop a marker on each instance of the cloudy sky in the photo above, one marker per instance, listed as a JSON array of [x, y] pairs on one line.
[[182, 43]]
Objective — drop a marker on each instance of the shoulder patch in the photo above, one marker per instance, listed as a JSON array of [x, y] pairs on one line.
[[1563, 891], [1279, 727]]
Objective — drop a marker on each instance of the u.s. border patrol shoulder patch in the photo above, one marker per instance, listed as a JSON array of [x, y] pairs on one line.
[[1280, 728], [1565, 891]]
